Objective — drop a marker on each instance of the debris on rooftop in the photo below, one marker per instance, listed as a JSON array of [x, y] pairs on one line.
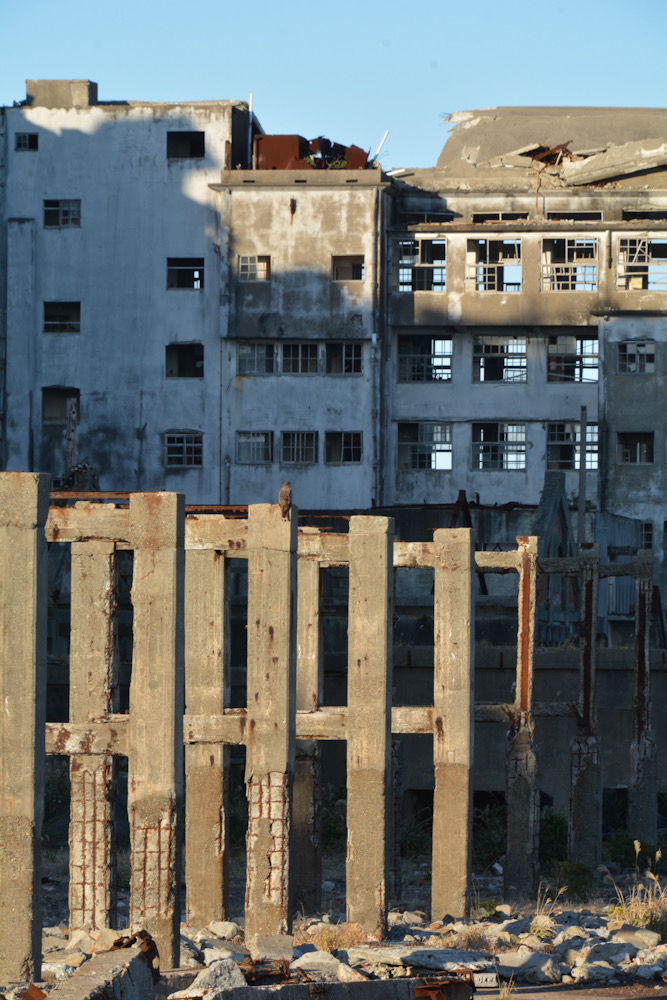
[[293, 152]]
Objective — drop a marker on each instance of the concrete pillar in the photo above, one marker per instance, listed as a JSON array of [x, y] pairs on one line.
[[369, 684], [24, 504], [93, 684], [453, 720], [306, 805], [206, 674], [522, 793], [643, 788], [271, 724], [585, 827], [155, 760]]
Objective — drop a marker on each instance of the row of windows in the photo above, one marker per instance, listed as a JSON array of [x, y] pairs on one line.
[[567, 265], [184, 450], [495, 446], [180, 145], [298, 358]]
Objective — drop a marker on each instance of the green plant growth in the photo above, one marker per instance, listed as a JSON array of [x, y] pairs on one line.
[[489, 835], [56, 792], [415, 836], [553, 836], [333, 819], [574, 879]]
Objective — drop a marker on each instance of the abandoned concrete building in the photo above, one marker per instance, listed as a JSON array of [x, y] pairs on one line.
[[194, 305]]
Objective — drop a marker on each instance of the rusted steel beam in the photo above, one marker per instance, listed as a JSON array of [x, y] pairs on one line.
[[88, 522], [107, 736]]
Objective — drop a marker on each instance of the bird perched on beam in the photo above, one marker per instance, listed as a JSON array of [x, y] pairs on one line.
[[285, 499]]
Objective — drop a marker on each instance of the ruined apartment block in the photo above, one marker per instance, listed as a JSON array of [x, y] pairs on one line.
[[194, 305]]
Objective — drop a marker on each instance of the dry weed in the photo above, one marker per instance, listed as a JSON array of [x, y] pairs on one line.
[[644, 903], [333, 937]]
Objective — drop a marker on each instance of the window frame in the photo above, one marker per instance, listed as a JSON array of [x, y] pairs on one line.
[[298, 447], [179, 266], [578, 360], [31, 144], [631, 443], [422, 445], [422, 270], [304, 355], [421, 365], [506, 355], [257, 441], [196, 348], [341, 262], [260, 365], [641, 363], [68, 212], [192, 448], [253, 268], [569, 438], [350, 357], [55, 325], [486, 261], [504, 452], [639, 273], [350, 447], [569, 264]]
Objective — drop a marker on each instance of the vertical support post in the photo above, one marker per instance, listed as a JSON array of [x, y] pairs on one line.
[[155, 764], [643, 789], [206, 655], [306, 806], [93, 685], [453, 719], [24, 505], [272, 559], [369, 685], [585, 828], [522, 795]]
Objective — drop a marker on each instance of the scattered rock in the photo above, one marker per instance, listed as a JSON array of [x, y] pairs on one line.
[[225, 929], [271, 947], [209, 984]]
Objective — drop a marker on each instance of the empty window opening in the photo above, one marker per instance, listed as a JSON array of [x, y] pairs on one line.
[[343, 359], [424, 359], [650, 214], [564, 446], [635, 449], [300, 359], [60, 405], [63, 214], [254, 447], [185, 145], [499, 446], [26, 142], [254, 268], [567, 216], [642, 265], [494, 265], [572, 358], [183, 449], [255, 359], [185, 361], [425, 446], [646, 535], [479, 217], [299, 446], [569, 265], [185, 272], [636, 358], [419, 265], [342, 446], [348, 268], [499, 359], [416, 218], [62, 317]]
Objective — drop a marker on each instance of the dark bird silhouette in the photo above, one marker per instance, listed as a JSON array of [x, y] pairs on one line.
[[285, 499]]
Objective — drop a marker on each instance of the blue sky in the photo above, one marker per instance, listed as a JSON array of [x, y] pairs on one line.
[[348, 69]]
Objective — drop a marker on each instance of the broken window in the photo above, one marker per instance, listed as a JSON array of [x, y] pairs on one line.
[[425, 446], [636, 358], [499, 359], [494, 265], [573, 358], [185, 145], [342, 446], [424, 359], [420, 265], [254, 447], [185, 272], [634, 448], [642, 265], [300, 359], [563, 446], [255, 359], [62, 317], [299, 446], [569, 265], [343, 359], [63, 214], [57, 403], [183, 449], [254, 268], [646, 535], [499, 446], [185, 361], [26, 141], [416, 218], [567, 216], [348, 268], [480, 217], [652, 213]]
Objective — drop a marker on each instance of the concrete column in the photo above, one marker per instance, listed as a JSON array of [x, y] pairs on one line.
[[272, 558], [643, 788], [206, 834], [522, 792], [306, 805], [369, 682], [93, 684], [453, 719], [155, 765], [585, 827], [24, 504]]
